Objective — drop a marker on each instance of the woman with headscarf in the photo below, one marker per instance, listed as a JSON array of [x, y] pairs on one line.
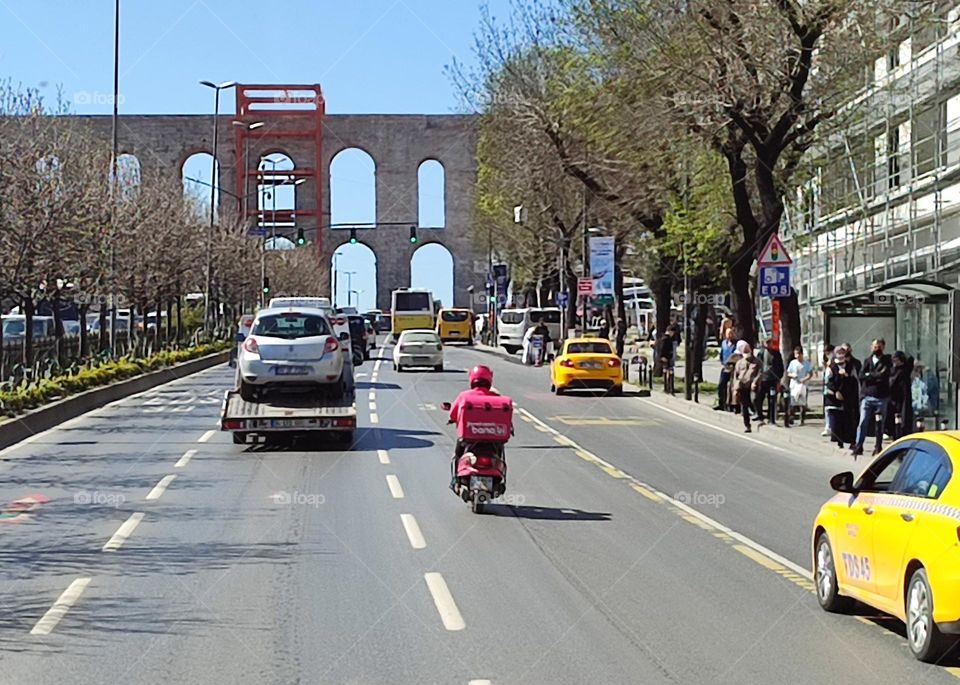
[[745, 375], [900, 413], [842, 399]]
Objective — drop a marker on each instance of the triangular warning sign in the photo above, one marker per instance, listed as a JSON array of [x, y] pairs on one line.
[[774, 253]]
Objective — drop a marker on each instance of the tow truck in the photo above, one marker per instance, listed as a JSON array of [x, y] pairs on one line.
[[289, 415]]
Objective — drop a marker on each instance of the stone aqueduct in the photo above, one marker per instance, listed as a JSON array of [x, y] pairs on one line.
[[295, 124]]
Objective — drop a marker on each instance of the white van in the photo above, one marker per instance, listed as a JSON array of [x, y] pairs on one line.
[[513, 324], [15, 326]]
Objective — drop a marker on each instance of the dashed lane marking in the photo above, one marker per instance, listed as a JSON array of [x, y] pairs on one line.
[[160, 487], [374, 418], [185, 459], [394, 484], [443, 600], [60, 608], [414, 533], [206, 436], [384, 456], [123, 532], [373, 406]]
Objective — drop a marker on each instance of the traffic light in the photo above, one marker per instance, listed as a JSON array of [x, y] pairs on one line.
[[266, 285], [353, 236], [413, 235], [301, 239]]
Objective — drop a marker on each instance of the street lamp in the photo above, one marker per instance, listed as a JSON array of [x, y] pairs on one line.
[[349, 275], [246, 156], [336, 254], [214, 178]]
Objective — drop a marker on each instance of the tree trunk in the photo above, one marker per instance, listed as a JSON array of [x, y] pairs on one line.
[[179, 318], [84, 337], [744, 315], [27, 332], [699, 337], [789, 325], [102, 333], [58, 331], [662, 290], [619, 322]]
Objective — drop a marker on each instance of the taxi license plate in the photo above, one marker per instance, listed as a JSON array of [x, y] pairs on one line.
[[292, 370], [481, 483], [454, 334], [591, 365]]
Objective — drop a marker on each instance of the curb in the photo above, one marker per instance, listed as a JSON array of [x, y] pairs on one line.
[[44, 418]]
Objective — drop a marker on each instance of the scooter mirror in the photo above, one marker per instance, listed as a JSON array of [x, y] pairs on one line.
[[445, 406]]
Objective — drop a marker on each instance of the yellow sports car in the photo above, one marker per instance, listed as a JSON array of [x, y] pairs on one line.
[[586, 363], [891, 539]]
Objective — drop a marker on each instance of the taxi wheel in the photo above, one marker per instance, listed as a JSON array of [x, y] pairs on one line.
[[926, 641], [825, 578], [558, 390]]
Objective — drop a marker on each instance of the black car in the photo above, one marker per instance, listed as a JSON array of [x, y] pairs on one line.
[[358, 334]]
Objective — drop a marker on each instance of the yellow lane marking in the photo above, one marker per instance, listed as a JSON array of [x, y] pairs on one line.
[[525, 418], [761, 559], [563, 440], [646, 493], [606, 421], [586, 456], [695, 521], [613, 471]]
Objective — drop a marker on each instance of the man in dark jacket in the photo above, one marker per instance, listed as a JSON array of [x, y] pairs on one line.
[[900, 411], [771, 371], [874, 393]]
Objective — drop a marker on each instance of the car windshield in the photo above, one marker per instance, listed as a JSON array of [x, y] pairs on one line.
[[589, 348], [548, 315], [412, 302], [291, 326], [454, 317], [511, 317], [421, 338], [15, 327]]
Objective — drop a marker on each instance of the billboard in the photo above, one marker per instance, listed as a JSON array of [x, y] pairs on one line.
[[601, 264]]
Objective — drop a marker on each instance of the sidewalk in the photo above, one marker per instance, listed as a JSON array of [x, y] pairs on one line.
[[806, 437]]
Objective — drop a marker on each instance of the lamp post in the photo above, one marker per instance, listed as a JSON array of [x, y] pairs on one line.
[[214, 179], [349, 275], [246, 171], [336, 273]]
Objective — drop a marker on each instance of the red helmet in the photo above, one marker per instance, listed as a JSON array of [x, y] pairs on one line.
[[481, 375]]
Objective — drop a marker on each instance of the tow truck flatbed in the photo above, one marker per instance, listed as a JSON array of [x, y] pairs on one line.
[[306, 412]]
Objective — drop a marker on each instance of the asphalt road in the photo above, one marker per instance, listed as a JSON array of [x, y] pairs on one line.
[[294, 564]]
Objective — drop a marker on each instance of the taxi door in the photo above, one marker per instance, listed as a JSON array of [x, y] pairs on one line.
[[854, 552], [899, 515]]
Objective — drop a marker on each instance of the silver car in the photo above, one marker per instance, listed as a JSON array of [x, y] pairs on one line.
[[291, 347], [418, 347]]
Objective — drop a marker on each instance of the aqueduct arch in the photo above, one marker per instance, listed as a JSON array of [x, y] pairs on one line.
[[294, 123]]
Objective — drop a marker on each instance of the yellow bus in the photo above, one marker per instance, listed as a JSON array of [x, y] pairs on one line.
[[411, 308]]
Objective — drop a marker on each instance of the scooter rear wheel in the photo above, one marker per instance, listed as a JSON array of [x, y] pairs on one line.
[[476, 504]]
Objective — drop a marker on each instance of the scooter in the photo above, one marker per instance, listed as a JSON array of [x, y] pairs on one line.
[[481, 473]]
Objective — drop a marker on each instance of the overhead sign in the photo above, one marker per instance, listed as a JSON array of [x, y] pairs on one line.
[[774, 281], [774, 253], [584, 286], [602, 264], [562, 298], [257, 230]]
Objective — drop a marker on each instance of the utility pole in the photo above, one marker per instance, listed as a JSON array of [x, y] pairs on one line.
[[114, 179]]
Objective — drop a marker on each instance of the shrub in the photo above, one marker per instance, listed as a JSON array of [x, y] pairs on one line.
[[99, 374]]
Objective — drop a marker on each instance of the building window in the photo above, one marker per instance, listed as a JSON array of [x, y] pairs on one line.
[[893, 158]]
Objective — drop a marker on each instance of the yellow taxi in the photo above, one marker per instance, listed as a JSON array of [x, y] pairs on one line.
[[455, 325], [586, 363], [891, 539]]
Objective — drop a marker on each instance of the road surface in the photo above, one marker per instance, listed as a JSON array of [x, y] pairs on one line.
[[634, 545]]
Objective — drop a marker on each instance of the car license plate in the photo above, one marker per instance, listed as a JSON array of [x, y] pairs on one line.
[[481, 483], [281, 423], [421, 360], [292, 370], [590, 365], [454, 334]]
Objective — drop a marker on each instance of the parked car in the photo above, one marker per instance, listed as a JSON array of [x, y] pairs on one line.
[[418, 347], [71, 329], [15, 326], [291, 347]]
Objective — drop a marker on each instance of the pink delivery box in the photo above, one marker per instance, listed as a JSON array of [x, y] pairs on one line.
[[488, 420]]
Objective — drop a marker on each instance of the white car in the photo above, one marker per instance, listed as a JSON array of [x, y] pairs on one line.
[[291, 347], [418, 347]]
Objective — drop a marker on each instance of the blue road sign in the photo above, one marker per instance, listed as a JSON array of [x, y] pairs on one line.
[[774, 281], [257, 230], [563, 298]]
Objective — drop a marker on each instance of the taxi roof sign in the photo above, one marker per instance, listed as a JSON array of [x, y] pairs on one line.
[[774, 253]]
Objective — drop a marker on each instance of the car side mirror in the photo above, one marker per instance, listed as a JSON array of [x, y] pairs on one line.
[[445, 406], [842, 482], [344, 336]]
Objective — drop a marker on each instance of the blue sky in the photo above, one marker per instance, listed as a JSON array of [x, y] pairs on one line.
[[370, 56]]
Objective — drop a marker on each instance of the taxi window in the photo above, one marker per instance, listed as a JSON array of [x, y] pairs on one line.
[[925, 473], [589, 348], [881, 473]]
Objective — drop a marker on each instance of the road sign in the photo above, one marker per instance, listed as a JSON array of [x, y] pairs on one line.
[[585, 286], [563, 298], [774, 253], [774, 281], [257, 230], [602, 300]]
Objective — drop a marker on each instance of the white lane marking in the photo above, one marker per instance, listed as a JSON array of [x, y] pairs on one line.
[[373, 406], [123, 532], [60, 608], [384, 456], [717, 428], [185, 459], [376, 367], [374, 418], [160, 487], [394, 484], [373, 395], [414, 533], [362, 374], [206, 436], [449, 613], [479, 682], [703, 518]]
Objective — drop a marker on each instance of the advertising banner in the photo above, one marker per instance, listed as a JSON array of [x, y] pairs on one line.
[[602, 264]]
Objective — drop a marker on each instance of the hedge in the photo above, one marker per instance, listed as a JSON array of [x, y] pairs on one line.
[[17, 401]]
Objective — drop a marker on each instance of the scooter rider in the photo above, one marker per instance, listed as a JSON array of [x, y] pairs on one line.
[[481, 385], [544, 332]]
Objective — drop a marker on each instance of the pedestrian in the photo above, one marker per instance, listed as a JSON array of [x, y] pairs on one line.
[[841, 400], [900, 414], [745, 375], [875, 395], [825, 390], [620, 336], [604, 329], [726, 324], [728, 346], [665, 351], [771, 371], [857, 366], [799, 371]]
